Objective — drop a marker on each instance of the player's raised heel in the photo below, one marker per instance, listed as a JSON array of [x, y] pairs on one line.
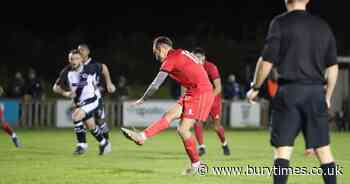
[[133, 136], [106, 148], [16, 142], [226, 150]]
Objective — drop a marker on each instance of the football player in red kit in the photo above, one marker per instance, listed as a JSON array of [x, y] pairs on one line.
[[5, 126], [193, 106], [215, 112]]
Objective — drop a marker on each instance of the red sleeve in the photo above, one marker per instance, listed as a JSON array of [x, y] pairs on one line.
[[168, 65], [213, 72]]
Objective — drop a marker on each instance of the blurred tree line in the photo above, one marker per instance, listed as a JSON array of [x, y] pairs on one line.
[[128, 53]]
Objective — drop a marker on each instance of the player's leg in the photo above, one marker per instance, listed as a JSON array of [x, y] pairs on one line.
[[195, 108], [7, 129], [317, 134], [286, 125], [101, 119], [215, 114], [328, 165], [104, 144], [198, 132], [156, 127], [86, 114], [220, 131], [80, 134], [309, 151], [189, 142]]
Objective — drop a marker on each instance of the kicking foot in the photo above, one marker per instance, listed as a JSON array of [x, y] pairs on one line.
[[133, 136], [226, 150]]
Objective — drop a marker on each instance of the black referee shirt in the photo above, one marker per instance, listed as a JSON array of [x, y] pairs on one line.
[[301, 46]]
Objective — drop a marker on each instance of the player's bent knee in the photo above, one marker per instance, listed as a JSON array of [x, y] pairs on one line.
[[183, 131], [172, 115], [216, 125], [78, 115]]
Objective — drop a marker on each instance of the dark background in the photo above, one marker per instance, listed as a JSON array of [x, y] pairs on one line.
[[120, 35]]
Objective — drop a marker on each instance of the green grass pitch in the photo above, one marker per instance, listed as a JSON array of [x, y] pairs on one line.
[[47, 158]]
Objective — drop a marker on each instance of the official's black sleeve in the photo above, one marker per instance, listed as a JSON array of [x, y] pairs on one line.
[[271, 49], [331, 55]]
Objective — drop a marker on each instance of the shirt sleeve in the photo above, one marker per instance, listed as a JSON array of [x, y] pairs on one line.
[[168, 65], [62, 79], [271, 49], [213, 73], [99, 68], [331, 55]]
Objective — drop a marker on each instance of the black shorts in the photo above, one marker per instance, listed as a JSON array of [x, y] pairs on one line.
[[300, 108]]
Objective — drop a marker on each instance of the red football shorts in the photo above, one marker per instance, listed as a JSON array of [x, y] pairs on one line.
[[215, 111], [196, 106]]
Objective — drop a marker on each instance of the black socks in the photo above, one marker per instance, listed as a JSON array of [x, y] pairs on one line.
[[280, 175], [329, 173]]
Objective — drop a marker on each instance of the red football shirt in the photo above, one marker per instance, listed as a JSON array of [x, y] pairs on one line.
[[212, 71], [186, 69]]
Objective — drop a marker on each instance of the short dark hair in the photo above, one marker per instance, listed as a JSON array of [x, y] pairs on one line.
[[293, 1], [162, 40], [199, 50], [84, 45]]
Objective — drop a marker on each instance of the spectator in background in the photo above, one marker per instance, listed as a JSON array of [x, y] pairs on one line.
[[232, 89], [17, 88], [122, 89], [34, 86]]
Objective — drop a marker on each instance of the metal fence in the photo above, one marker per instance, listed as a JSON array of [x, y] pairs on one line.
[[42, 114], [38, 114]]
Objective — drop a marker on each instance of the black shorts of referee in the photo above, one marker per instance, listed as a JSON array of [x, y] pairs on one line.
[[300, 107]]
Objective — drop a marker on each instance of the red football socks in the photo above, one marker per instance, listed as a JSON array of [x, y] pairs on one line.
[[156, 127], [190, 147], [6, 128], [198, 132], [221, 133]]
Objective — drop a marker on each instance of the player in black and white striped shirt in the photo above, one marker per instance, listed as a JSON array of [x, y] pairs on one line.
[[79, 82]]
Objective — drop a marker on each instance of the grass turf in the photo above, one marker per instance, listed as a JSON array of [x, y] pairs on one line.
[[47, 158]]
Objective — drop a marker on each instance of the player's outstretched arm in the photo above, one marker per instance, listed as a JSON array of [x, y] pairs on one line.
[[153, 87], [107, 76], [57, 89]]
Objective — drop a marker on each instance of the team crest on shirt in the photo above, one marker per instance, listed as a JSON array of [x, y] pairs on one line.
[[84, 76]]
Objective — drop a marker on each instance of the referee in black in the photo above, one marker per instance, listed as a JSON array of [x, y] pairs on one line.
[[303, 49]]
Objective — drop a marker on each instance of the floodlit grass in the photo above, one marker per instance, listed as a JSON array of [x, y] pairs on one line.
[[47, 158]]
